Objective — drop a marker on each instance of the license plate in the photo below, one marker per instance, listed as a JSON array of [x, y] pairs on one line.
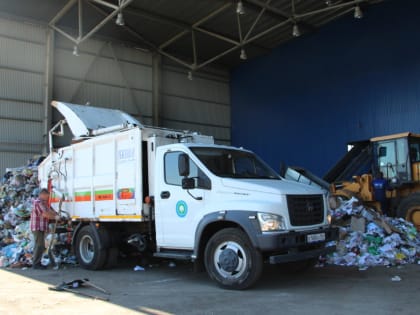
[[313, 238]]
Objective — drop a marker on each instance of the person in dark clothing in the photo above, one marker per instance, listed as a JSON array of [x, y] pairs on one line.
[[380, 186]]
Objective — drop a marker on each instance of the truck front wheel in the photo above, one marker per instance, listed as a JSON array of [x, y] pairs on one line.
[[89, 249], [231, 260]]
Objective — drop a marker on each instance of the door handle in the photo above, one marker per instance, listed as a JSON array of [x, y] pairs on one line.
[[165, 194]]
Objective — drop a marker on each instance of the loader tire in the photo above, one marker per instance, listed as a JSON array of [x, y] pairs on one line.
[[91, 250], [231, 260], [409, 209]]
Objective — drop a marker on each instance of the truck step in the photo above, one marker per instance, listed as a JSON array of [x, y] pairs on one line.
[[181, 255]]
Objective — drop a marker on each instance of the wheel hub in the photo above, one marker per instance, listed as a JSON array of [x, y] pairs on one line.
[[228, 260], [87, 249]]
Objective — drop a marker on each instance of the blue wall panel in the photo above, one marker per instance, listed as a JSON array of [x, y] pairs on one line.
[[352, 80]]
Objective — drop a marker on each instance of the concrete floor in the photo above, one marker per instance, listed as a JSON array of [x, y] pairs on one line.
[[165, 290]]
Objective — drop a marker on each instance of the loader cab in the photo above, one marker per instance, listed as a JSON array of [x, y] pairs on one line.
[[398, 157]]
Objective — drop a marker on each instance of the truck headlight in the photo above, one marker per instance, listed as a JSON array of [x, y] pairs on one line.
[[270, 222]]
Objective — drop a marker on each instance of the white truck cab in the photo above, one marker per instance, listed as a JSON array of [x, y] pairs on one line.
[[180, 196]]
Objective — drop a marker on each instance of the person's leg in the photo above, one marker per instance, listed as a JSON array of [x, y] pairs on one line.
[[39, 247], [385, 207]]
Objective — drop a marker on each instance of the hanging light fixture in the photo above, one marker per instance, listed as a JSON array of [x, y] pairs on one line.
[[190, 75], [358, 14], [243, 55], [240, 8], [296, 30], [75, 50], [328, 2], [120, 19]]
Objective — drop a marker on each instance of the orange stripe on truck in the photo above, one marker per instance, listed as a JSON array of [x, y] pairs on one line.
[[82, 196], [103, 195]]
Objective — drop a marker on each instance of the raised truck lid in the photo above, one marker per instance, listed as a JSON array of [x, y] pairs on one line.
[[84, 120]]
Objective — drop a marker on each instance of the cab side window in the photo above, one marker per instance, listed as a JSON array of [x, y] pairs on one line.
[[415, 152], [172, 176]]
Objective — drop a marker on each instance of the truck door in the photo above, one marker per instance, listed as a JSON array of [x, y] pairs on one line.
[[177, 211]]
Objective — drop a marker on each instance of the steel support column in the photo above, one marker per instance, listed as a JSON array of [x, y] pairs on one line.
[[48, 86], [156, 88]]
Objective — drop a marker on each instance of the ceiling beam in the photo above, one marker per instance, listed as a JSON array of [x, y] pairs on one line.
[[150, 43], [269, 8], [260, 14], [331, 7], [261, 34], [104, 6], [106, 19], [133, 32], [157, 17], [279, 13], [246, 37], [186, 28], [174, 38], [81, 38], [62, 12]]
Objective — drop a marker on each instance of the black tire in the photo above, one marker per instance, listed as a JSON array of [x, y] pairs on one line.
[[91, 250], [408, 206], [241, 264]]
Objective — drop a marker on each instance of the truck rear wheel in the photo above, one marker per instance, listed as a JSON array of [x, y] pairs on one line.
[[231, 260], [409, 209], [90, 250]]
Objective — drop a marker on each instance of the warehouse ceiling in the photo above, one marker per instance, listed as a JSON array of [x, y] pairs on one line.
[[193, 33]]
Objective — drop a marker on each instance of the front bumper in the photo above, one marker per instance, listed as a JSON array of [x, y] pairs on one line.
[[293, 246], [299, 256]]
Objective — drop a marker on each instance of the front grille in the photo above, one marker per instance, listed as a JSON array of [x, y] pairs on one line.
[[305, 209]]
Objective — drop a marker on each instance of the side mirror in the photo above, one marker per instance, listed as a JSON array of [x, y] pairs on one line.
[[382, 151], [184, 165], [188, 183]]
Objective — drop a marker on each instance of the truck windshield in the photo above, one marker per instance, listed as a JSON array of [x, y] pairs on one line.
[[234, 163]]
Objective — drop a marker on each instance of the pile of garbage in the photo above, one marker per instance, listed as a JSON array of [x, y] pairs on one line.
[[19, 186], [372, 239], [18, 189]]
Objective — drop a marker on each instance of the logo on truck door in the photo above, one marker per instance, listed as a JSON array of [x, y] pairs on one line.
[[181, 208], [126, 193]]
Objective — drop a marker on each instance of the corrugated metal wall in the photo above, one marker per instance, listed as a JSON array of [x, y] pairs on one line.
[[22, 51], [202, 104], [104, 74], [352, 80]]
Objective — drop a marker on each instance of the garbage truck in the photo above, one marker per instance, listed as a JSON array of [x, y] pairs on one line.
[[178, 195]]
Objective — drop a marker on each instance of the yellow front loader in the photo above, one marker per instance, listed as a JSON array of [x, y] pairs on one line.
[[397, 157]]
